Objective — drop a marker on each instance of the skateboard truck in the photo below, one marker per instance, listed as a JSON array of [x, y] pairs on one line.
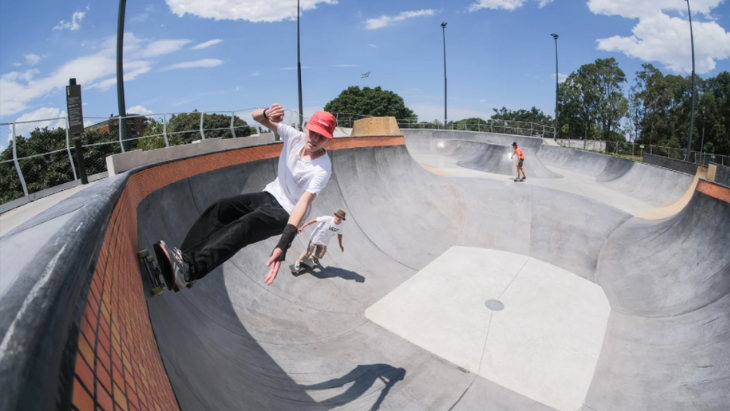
[[152, 270]]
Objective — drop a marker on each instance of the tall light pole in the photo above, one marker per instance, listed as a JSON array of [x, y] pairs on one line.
[[299, 72], [120, 70], [692, 114], [557, 86], [443, 26]]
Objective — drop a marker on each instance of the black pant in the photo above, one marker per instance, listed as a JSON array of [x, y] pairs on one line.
[[227, 226]]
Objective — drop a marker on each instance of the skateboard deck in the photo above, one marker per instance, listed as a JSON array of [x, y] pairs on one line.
[[303, 267], [152, 271]]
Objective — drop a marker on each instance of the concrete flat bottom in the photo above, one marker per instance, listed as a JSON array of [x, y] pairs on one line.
[[529, 326]]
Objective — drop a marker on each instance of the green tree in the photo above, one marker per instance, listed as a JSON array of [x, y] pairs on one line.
[[368, 101], [185, 128], [533, 115]]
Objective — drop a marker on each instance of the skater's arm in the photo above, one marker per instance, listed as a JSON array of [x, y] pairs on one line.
[[297, 214], [310, 222], [339, 238], [274, 115], [295, 218]]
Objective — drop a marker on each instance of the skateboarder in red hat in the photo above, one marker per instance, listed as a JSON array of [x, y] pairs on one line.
[[230, 224]]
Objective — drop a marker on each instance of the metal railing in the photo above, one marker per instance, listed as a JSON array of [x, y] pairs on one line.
[[40, 157], [629, 148], [518, 128]]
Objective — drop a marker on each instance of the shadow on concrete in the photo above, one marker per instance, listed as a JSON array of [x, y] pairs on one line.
[[332, 272], [363, 376]]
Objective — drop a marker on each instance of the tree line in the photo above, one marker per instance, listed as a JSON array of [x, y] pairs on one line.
[[42, 170]]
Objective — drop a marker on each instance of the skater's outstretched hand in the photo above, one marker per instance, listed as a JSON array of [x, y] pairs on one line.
[[274, 263], [275, 113]]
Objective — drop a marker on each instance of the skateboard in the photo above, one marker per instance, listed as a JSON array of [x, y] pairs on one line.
[[152, 270], [303, 267]]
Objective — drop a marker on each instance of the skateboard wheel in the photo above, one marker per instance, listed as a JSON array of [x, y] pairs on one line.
[[150, 259], [157, 291], [142, 254]]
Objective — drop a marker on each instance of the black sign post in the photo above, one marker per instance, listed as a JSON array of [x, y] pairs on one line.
[[76, 124]]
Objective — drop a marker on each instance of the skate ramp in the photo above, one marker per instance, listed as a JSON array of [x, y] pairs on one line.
[[654, 185], [480, 151], [305, 342]]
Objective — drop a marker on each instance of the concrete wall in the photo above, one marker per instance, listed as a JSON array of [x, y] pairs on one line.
[[722, 175], [670, 163], [119, 163]]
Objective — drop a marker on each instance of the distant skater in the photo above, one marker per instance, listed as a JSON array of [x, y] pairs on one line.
[[321, 236], [232, 223], [520, 163]]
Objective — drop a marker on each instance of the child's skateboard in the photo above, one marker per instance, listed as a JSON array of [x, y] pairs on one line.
[[302, 268], [152, 270]]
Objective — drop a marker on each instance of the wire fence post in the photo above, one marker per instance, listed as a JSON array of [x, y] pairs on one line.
[[202, 133], [164, 129], [119, 126], [233, 129], [17, 165], [68, 149]]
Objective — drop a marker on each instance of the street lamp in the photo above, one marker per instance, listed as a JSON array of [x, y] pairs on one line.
[[120, 72], [299, 73], [443, 26], [555, 135], [692, 114]]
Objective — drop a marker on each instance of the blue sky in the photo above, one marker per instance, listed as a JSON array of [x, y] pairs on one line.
[[187, 54]]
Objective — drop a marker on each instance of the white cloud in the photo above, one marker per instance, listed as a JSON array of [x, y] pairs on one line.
[[504, 4], [139, 110], [97, 70], [249, 10], [32, 59], [255, 74], [160, 47], [657, 37], [635, 9], [74, 24], [207, 44], [48, 115], [373, 45], [204, 63], [384, 21], [142, 17]]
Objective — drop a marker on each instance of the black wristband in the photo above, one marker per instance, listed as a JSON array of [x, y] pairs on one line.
[[287, 237], [265, 116]]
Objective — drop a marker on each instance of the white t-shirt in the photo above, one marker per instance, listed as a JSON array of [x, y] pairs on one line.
[[296, 175], [326, 229]]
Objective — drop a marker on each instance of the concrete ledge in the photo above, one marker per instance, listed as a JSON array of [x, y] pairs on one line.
[[672, 164], [721, 174], [119, 163]]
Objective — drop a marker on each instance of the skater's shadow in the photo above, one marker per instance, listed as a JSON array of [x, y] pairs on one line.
[[363, 376], [332, 272]]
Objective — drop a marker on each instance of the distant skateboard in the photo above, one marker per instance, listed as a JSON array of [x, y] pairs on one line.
[[152, 270], [302, 268]]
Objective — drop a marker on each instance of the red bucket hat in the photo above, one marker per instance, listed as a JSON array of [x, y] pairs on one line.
[[323, 123]]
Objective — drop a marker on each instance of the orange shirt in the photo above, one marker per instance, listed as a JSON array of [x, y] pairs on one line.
[[519, 152]]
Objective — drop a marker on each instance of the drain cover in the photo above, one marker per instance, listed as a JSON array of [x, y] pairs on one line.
[[494, 305]]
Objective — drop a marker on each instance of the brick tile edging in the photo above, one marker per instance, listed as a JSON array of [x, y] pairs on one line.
[[714, 190], [118, 364]]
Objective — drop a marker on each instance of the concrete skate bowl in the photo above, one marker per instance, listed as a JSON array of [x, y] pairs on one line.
[[320, 340], [654, 185], [479, 151]]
